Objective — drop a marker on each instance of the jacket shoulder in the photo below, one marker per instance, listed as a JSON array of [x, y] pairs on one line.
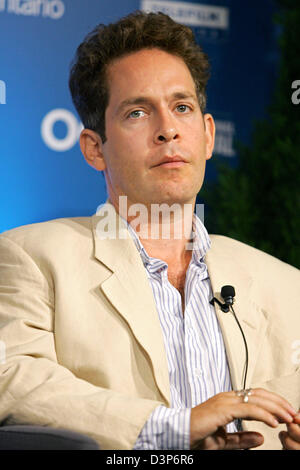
[[257, 262], [48, 228], [52, 237]]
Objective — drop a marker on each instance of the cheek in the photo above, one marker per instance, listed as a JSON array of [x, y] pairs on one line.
[[197, 147], [124, 163], [136, 141], [195, 134], [130, 141]]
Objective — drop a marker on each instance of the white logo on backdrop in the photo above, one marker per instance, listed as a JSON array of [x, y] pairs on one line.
[[191, 14], [2, 92], [74, 128], [225, 131], [53, 9]]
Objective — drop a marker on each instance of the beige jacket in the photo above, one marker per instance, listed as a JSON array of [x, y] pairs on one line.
[[83, 344]]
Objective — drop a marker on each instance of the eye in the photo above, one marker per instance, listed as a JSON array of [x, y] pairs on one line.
[[137, 113], [183, 108]]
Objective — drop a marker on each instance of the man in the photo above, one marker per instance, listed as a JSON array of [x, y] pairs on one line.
[[107, 322]]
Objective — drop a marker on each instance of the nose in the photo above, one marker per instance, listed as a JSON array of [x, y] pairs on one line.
[[167, 135], [166, 131]]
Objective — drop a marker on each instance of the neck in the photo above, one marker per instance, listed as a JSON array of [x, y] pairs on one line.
[[163, 229]]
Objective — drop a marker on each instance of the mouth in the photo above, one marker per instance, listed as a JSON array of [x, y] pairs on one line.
[[171, 162], [176, 164]]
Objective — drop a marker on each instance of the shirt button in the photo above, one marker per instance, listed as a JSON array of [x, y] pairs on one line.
[[198, 372]]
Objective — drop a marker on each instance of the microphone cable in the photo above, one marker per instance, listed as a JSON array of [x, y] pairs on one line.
[[246, 347]]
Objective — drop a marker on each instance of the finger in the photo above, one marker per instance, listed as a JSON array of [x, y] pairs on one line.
[[294, 431], [297, 418], [243, 440], [274, 397], [271, 402], [278, 410], [287, 442], [250, 411], [216, 441], [270, 396]]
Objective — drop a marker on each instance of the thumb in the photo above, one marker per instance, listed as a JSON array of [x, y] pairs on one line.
[[243, 440]]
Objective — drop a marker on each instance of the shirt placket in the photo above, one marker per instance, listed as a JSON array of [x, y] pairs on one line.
[[195, 370], [181, 393]]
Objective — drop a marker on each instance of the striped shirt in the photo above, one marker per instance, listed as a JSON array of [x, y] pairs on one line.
[[193, 342]]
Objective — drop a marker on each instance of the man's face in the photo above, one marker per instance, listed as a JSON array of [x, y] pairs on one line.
[[157, 142]]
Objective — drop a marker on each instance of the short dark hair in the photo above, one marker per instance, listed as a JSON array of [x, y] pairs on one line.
[[88, 77]]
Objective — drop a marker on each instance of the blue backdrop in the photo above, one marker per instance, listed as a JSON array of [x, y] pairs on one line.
[[42, 172]]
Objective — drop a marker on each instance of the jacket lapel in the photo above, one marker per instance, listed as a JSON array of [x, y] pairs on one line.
[[225, 270], [128, 289]]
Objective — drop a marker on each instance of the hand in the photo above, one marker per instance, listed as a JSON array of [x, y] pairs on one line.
[[208, 420], [290, 439], [221, 440]]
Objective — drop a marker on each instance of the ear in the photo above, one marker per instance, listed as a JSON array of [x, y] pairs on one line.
[[210, 130], [91, 147]]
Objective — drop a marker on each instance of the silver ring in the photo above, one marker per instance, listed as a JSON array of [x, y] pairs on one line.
[[245, 394]]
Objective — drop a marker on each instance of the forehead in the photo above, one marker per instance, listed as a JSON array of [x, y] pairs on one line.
[[148, 71]]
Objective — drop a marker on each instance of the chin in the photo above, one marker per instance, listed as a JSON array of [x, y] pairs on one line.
[[174, 199]]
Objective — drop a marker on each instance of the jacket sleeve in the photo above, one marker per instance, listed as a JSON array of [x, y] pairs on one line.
[[34, 387]]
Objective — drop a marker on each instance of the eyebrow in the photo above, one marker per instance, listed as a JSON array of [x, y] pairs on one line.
[[145, 100]]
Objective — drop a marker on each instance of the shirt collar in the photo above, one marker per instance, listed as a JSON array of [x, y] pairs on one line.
[[202, 240]]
